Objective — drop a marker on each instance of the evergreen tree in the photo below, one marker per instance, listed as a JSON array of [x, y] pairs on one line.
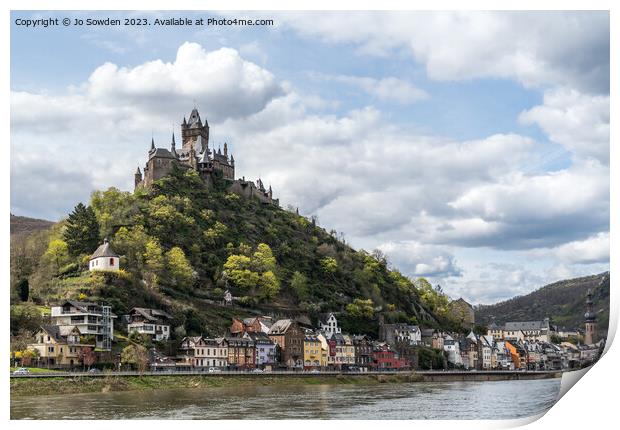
[[82, 231]]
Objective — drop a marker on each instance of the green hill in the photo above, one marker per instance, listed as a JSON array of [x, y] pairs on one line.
[[563, 302], [182, 245]]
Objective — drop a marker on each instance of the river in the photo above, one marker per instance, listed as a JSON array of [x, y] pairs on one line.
[[421, 400]]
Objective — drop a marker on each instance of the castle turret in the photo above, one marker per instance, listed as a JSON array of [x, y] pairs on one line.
[[152, 145], [225, 150], [173, 150], [591, 336], [137, 177]]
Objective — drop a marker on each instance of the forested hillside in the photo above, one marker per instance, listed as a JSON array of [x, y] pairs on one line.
[[182, 246], [563, 302]]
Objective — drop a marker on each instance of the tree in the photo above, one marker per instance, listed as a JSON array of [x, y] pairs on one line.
[[87, 356], [136, 355], [114, 208], [58, 253], [179, 268], [23, 290], [238, 269], [25, 317], [263, 259], [299, 284], [361, 309], [329, 265], [269, 285], [82, 230]]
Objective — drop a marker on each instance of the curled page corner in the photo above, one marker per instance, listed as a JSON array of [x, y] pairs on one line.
[[569, 379]]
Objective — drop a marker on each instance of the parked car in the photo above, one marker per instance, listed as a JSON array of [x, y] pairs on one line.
[[257, 370], [94, 370], [21, 371], [214, 370], [315, 371]]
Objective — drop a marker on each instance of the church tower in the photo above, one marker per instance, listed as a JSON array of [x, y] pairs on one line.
[[590, 320]]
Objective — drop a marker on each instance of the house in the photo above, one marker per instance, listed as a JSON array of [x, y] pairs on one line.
[[343, 351], [329, 325], [217, 352], [60, 346], [496, 331], [452, 352], [437, 340], [400, 333], [348, 351], [89, 318], [426, 336], [503, 360], [363, 352], [289, 337], [152, 322], [265, 349], [324, 349], [312, 352], [250, 325], [192, 352], [241, 353], [486, 349], [514, 354], [384, 358], [104, 258], [530, 331]]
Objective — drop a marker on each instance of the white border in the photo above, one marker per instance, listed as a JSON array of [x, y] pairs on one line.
[[589, 404]]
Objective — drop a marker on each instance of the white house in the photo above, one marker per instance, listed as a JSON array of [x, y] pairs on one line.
[[329, 325], [89, 318], [451, 347], [104, 258], [152, 322]]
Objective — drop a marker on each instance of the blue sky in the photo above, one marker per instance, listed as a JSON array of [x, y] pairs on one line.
[[470, 150]]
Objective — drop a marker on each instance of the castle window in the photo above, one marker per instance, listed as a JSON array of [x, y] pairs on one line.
[[111, 261]]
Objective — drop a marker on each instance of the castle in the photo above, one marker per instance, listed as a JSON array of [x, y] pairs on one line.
[[195, 154]]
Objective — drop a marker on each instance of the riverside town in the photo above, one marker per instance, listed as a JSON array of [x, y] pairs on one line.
[[132, 283]]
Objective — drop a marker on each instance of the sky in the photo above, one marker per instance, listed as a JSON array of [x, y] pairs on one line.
[[472, 148]]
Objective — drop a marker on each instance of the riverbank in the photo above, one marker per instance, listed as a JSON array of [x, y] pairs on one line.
[[112, 383], [43, 386]]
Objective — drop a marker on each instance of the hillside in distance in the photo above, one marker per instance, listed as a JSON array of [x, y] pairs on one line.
[[21, 225], [183, 245], [563, 302]]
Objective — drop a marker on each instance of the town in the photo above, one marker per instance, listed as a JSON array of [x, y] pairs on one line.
[[80, 335]]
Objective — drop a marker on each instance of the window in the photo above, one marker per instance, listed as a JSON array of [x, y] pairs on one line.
[[111, 261]]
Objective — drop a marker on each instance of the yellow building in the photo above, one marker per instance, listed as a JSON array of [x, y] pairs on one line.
[[60, 346], [324, 349], [348, 351], [313, 352]]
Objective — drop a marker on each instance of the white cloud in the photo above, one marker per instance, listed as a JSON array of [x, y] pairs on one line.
[[416, 259], [594, 249], [384, 89], [536, 49], [579, 122]]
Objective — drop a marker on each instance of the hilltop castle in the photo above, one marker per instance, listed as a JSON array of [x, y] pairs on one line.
[[195, 154]]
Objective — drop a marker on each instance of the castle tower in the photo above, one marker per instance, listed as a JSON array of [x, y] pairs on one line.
[[590, 321], [193, 130]]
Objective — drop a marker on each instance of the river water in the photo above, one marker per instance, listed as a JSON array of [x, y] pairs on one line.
[[422, 400]]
